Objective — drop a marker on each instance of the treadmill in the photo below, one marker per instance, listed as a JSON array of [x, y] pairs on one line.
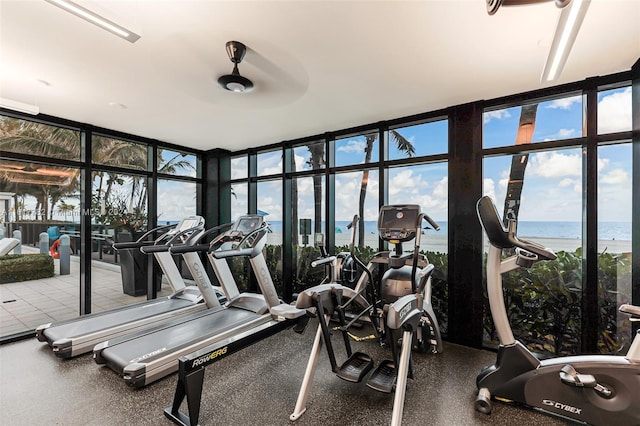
[[79, 335], [142, 358]]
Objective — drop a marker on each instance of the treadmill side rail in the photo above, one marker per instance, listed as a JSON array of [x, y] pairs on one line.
[[191, 369]]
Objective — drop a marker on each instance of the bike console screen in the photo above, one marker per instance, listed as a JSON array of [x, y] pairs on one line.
[[398, 222]]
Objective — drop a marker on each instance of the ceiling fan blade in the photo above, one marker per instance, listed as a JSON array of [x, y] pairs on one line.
[[567, 29]]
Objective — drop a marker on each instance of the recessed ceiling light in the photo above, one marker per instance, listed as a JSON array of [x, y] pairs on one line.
[[117, 105]]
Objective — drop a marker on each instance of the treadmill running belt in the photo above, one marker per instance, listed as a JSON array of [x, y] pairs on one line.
[[102, 321], [164, 341]]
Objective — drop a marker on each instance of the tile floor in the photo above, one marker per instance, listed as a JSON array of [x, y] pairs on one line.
[[26, 305]]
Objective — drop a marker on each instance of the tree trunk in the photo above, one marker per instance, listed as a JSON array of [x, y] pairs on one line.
[[519, 163], [317, 161], [363, 187]]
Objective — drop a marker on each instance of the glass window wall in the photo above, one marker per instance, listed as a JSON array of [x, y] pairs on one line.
[[115, 152], [239, 167], [359, 149], [614, 110], [177, 163], [545, 121], [40, 207], [543, 302], [269, 163], [614, 246], [28, 137], [420, 139]]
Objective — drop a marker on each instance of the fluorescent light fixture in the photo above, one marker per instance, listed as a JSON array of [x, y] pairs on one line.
[[19, 106], [96, 19], [567, 29]]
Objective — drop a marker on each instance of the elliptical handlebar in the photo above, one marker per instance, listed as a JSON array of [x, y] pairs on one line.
[[506, 239], [432, 222]]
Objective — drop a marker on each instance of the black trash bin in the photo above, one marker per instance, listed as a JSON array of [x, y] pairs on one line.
[[133, 268]]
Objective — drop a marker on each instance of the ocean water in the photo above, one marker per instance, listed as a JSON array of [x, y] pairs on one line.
[[570, 230]]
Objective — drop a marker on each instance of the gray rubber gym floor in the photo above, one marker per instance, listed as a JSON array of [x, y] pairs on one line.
[[257, 386]]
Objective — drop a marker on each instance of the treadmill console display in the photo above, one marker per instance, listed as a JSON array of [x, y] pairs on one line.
[[189, 223], [398, 222], [248, 224]]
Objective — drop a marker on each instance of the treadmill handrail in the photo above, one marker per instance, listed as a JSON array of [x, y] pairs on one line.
[[142, 241], [131, 244], [232, 253], [188, 249]]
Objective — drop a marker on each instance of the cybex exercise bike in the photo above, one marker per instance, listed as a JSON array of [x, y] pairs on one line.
[[402, 312], [594, 389]]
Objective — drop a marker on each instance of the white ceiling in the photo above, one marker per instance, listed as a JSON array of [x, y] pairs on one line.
[[317, 65]]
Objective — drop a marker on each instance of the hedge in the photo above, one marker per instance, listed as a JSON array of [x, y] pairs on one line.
[[25, 267]]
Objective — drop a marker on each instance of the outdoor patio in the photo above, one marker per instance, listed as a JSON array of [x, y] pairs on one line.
[[28, 304]]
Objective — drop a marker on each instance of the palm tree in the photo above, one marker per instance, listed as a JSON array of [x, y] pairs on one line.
[[316, 161], [46, 141], [65, 208], [403, 145], [526, 126]]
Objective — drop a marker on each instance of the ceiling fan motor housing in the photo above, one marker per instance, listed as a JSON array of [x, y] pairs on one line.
[[234, 82]]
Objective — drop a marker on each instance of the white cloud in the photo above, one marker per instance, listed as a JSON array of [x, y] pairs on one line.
[[616, 177], [239, 167], [348, 196], [497, 115], [565, 103], [441, 189], [614, 112], [300, 162], [353, 146], [270, 163], [562, 134], [404, 182], [603, 163], [489, 188], [555, 165], [566, 182]]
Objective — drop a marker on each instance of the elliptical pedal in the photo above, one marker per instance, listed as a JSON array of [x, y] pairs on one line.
[[383, 379], [355, 368]]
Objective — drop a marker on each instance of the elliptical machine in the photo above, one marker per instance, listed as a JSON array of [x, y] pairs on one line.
[[397, 316], [594, 389]]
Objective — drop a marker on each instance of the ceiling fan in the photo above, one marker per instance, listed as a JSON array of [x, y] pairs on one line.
[[571, 17], [234, 82]]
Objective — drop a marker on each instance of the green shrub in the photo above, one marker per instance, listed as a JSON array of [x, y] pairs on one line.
[[25, 267], [544, 303]]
